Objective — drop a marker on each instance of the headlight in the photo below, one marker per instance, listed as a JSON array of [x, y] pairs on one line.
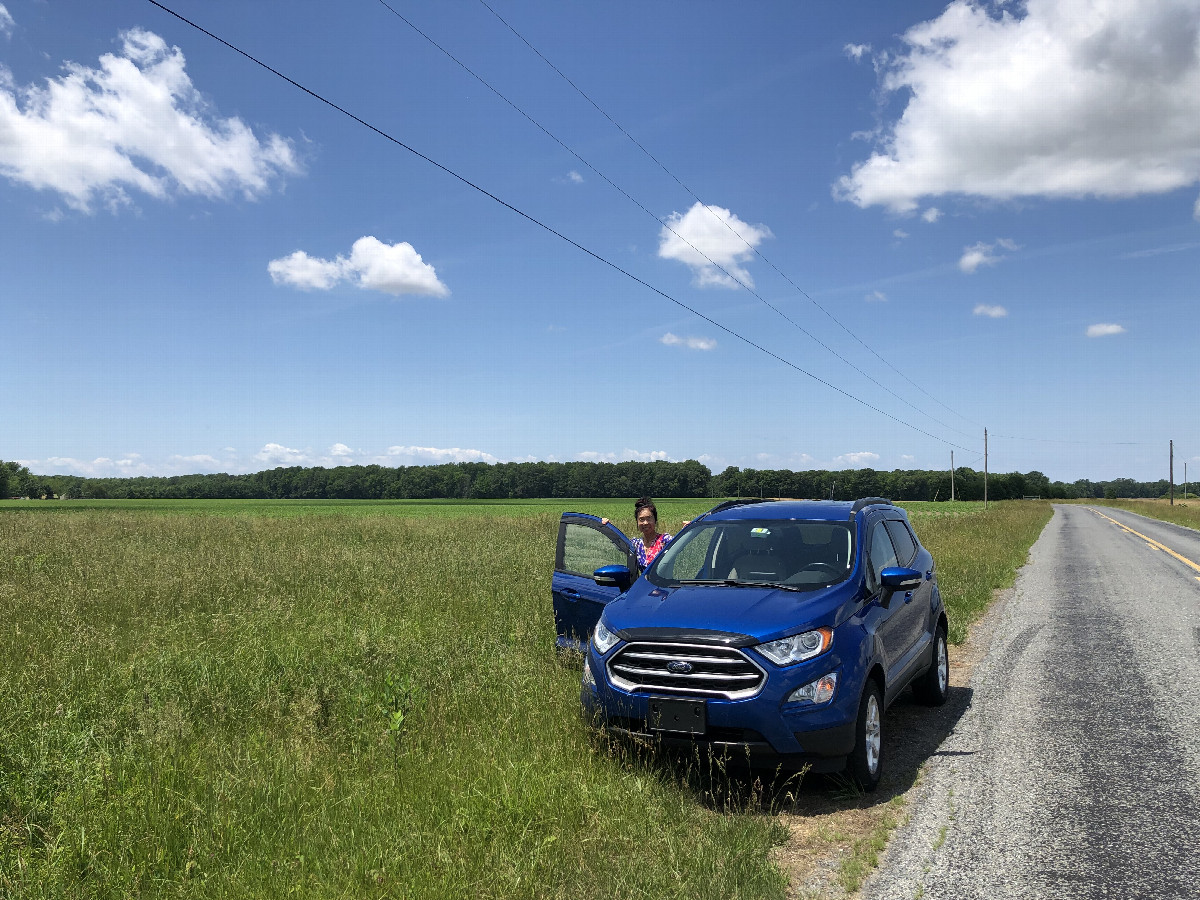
[[797, 648], [603, 639], [819, 691]]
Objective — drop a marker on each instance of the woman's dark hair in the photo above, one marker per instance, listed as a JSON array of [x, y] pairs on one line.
[[645, 503]]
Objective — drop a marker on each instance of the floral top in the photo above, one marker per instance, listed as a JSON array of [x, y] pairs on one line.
[[646, 554]]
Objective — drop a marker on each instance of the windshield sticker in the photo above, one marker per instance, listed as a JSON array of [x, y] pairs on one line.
[[760, 532]]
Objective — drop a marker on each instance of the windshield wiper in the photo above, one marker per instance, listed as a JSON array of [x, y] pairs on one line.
[[737, 582]]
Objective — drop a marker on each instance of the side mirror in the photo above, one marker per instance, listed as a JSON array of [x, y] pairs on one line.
[[898, 578], [613, 576]]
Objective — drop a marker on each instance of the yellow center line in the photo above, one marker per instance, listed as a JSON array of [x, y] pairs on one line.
[[1153, 543]]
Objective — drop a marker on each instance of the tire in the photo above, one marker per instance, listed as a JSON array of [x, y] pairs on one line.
[[933, 687], [865, 764]]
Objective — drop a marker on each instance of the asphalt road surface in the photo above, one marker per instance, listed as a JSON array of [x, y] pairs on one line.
[[1076, 770]]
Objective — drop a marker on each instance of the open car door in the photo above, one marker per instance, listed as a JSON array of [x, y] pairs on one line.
[[585, 545]]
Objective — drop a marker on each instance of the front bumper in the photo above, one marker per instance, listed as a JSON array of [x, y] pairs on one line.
[[762, 728]]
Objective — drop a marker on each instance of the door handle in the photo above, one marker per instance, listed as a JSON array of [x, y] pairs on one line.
[[571, 594]]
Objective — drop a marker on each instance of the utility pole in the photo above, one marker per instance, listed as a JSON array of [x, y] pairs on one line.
[[985, 462], [1172, 473], [951, 476]]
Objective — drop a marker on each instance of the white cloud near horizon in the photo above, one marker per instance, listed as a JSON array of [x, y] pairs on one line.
[[1104, 330], [860, 459], [991, 312], [136, 124], [1047, 98], [372, 265], [708, 239], [691, 342], [984, 254], [625, 455]]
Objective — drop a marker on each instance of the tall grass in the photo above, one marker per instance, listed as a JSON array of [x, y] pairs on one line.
[[1181, 512], [250, 704], [322, 705], [977, 552]]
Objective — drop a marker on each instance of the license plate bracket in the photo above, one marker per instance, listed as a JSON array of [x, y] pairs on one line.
[[677, 716]]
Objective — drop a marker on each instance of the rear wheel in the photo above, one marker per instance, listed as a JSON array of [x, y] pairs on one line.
[[933, 687], [866, 760]]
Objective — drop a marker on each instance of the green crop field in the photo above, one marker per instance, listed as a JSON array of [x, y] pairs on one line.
[[355, 699]]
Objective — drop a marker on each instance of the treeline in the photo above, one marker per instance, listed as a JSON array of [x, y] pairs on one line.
[[483, 481]]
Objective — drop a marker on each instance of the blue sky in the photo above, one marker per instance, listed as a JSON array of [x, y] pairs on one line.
[[954, 217]]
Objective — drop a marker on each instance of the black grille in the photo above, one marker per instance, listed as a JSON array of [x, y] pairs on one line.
[[692, 669]]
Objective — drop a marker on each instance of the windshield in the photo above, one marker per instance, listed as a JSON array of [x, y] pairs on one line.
[[798, 554]]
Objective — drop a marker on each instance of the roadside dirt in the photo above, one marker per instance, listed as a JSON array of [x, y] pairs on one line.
[[836, 832]]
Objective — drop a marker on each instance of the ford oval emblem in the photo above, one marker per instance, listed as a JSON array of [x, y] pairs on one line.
[[679, 667]]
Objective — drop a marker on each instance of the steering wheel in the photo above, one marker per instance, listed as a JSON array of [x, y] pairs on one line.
[[830, 567]]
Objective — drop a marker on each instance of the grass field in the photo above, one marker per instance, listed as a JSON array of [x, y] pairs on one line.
[[1182, 512], [268, 698]]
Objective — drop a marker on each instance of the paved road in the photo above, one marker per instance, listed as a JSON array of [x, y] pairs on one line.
[[1076, 771]]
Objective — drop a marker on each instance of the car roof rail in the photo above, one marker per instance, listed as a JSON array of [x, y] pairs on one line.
[[869, 501], [730, 504]]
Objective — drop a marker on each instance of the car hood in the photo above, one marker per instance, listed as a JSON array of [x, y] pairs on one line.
[[761, 613]]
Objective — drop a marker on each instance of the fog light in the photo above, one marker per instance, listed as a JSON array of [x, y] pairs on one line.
[[588, 679], [819, 691]]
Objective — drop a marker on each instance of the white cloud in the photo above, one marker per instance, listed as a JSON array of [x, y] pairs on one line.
[[857, 51], [1047, 98], [340, 450], [992, 312], [420, 456], [624, 456], [306, 272], [136, 123], [692, 343], [202, 459], [6, 21], [574, 177], [1104, 330], [391, 268], [278, 455], [876, 297], [855, 460], [705, 238], [931, 215], [984, 254], [900, 233]]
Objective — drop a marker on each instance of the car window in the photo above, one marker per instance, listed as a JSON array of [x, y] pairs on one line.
[[692, 558], [880, 555], [795, 552], [585, 549], [902, 539]]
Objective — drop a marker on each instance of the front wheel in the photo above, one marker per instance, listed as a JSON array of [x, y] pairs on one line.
[[933, 687], [866, 760]]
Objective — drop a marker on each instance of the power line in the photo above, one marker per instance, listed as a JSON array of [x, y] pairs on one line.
[[733, 231], [483, 81], [386, 136]]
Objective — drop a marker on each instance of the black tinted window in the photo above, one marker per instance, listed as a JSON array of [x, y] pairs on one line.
[[880, 555], [902, 539]]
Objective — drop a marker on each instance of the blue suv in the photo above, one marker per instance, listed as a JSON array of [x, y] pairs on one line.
[[775, 630]]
